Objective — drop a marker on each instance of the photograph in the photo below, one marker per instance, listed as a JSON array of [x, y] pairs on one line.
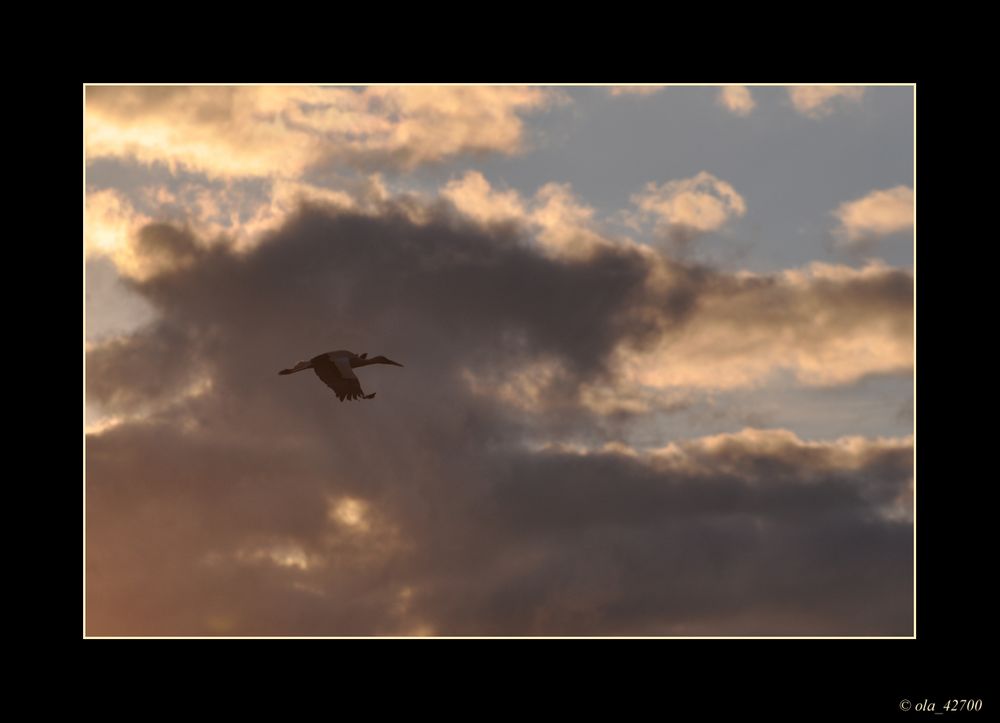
[[451, 360]]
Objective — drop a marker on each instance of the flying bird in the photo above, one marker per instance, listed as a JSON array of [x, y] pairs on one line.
[[336, 369]]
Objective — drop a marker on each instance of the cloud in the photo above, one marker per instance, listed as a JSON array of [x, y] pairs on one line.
[[691, 206], [214, 213], [557, 222], [635, 90], [215, 209], [701, 330], [111, 222], [268, 131], [736, 99], [686, 326], [819, 101], [120, 229], [473, 195], [825, 325], [262, 506], [880, 213], [560, 224]]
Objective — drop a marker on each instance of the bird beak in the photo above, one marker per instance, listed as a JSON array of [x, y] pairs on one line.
[[390, 361]]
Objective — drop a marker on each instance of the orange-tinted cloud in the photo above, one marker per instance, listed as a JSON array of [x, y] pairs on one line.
[[824, 324], [266, 131], [562, 225], [473, 195], [737, 99], [878, 214], [111, 223], [696, 205], [819, 101], [635, 90]]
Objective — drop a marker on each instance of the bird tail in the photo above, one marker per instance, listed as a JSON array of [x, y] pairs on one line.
[[369, 396]]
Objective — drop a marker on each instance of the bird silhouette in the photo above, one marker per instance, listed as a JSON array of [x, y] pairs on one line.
[[336, 369]]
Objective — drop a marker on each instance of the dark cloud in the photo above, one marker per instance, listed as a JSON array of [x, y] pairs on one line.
[[146, 367], [216, 512]]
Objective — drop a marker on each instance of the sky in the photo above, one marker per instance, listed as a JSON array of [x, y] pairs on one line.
[[657, 347]]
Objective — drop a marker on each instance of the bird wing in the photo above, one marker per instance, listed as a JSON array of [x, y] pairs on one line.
[[344, 367], [339, 376]]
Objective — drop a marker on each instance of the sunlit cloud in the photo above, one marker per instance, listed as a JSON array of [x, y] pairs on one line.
[[878, 214], [350, 512], [565, 224], [473, 195], [214, 213], [824, 324], [266, 131], [562, 224], [700, 204], [111, 223], [737, 99], [819, 101], [282, 554], [635, 90], [846, 453], [103, 424]]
